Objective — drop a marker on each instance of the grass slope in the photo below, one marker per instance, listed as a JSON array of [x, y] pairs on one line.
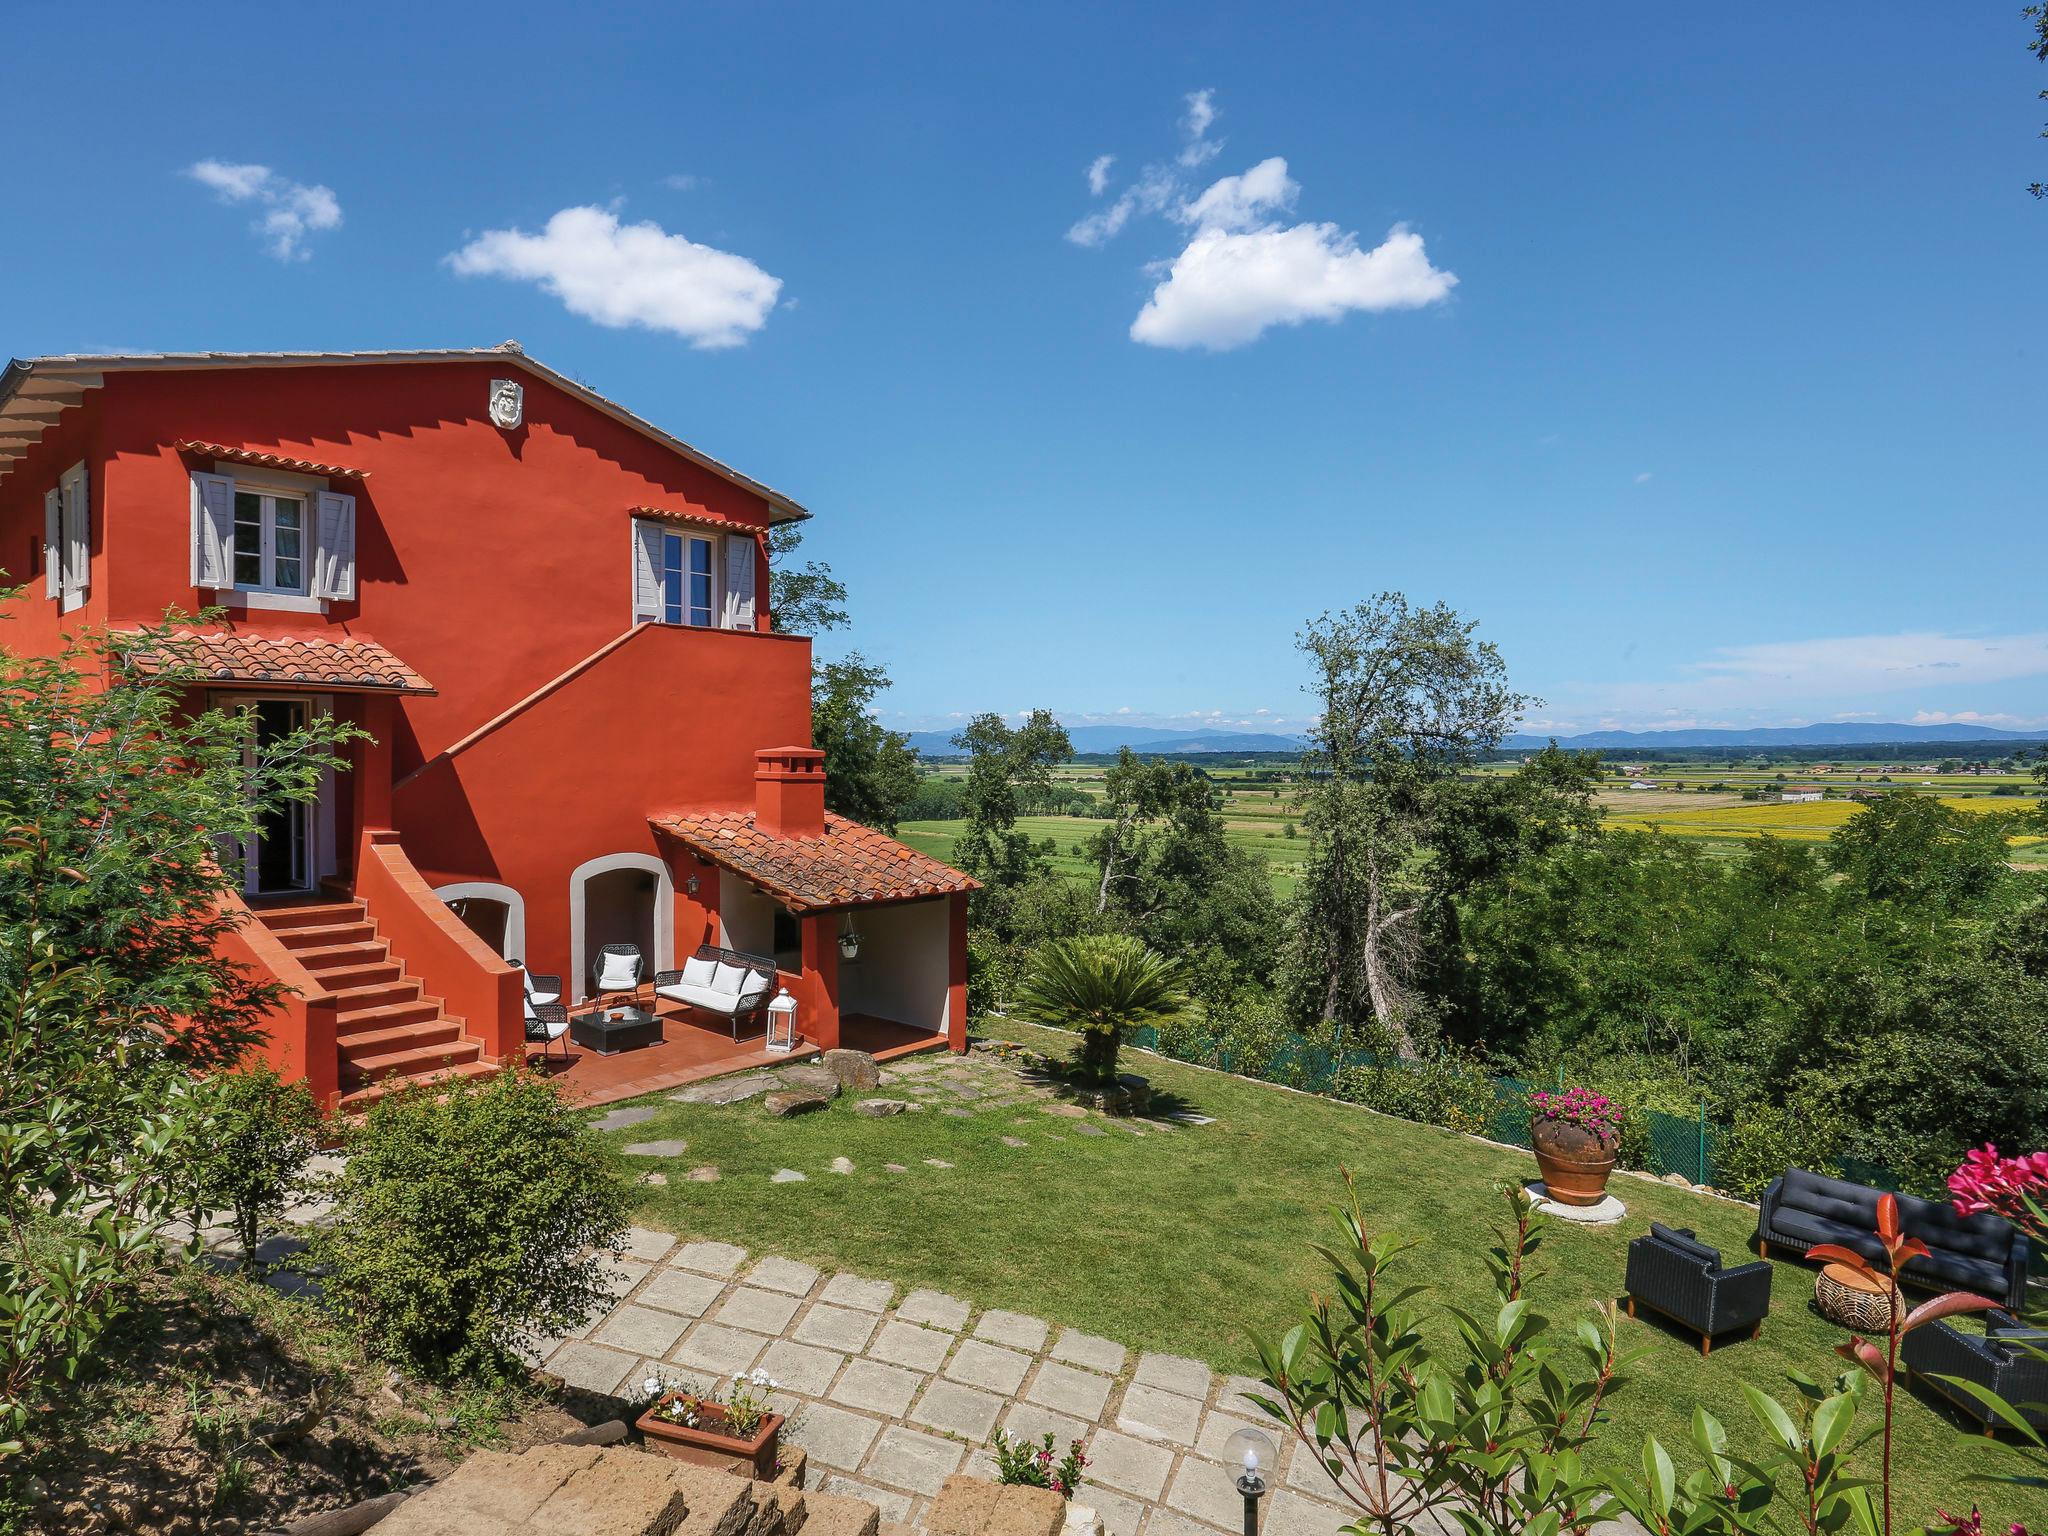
[[1193, 1239]]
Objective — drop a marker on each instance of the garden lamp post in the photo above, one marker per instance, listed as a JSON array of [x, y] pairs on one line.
[[1253, 1454]]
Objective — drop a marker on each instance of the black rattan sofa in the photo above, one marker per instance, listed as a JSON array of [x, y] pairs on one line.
[[728, 982], [1996, 1359], [1983, 1253], [1672, 1272]]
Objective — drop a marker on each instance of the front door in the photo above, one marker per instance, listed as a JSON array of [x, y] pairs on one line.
[[279, 858]]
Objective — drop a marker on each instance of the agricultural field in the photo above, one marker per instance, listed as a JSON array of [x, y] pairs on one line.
[[1699, 800]]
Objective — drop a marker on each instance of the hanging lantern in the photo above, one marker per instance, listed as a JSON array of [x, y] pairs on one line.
[[849, 942], [781, 1022]]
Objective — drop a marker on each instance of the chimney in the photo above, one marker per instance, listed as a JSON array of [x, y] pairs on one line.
[[789, 791]]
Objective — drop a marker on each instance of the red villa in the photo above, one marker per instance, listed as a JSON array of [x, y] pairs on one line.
[[552, 618]]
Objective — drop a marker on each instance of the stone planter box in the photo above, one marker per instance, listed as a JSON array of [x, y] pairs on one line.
[[709, 1444]]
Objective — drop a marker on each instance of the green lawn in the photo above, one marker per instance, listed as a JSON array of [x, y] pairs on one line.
[[1191, 1239], [1283, 856]]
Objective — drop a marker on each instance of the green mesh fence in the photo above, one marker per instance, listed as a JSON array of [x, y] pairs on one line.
[[1655, 1142]]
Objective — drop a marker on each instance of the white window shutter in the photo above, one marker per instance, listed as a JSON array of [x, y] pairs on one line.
[[334, 559], [739, 581], [646, 571], [53, 542], [213, 531], [77, 532]]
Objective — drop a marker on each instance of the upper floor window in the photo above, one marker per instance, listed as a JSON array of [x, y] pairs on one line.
[[270, 542], [67, 539], [283, 540], [700, 579], [685, 579]]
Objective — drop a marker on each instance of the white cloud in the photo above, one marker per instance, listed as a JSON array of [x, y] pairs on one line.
[[1244, 270], [682, 181], [1997, 719], [630, 274], [1199, 149], [1229, 287], [1098, 174], [1643, 478], [291, 210]]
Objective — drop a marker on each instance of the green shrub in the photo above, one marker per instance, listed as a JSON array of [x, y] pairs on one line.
[[1443, 1088], [467, 1215], [1771, 1136], [260, 1132]]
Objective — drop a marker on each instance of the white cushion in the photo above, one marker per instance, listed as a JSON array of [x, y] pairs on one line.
[[698, 970], [699, 997], [619, 971], [730, 979]]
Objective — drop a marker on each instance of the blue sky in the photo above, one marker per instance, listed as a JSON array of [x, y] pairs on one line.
[[1690, 350]]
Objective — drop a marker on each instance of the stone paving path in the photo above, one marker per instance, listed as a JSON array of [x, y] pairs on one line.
[[892, 1394]]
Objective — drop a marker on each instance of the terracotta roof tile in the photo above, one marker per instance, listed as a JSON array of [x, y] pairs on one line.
[[269, 460], [694, 520], [850, 866], [346, 662]]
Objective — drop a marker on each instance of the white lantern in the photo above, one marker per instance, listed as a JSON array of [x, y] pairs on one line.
[[781, 1022]]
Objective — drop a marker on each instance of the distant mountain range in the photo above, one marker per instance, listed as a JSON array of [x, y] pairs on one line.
[[1140, 738], [1852, 733], [1143, 738]]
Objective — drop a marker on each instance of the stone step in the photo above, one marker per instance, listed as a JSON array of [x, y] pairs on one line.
[[351, 1022], [356, 1100], [369, 1045], [336, 957], [354, 984], [326, 935], [411, 1060], [312, 914]]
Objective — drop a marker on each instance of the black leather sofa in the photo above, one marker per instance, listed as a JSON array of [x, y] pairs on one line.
[[1984, 1253], [1997, 1359], [1672, 1272]]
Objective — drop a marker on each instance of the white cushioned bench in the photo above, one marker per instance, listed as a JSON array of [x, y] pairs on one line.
[[722, 981]]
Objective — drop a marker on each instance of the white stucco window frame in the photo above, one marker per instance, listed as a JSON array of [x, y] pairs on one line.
[[513, 902]]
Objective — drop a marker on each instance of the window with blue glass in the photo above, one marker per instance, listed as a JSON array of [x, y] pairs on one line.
[[685, 579]]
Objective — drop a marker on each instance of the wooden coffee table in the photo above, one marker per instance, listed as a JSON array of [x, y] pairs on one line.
[[1848, 1297], [632, 1030]]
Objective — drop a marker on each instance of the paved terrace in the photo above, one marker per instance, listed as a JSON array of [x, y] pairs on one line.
[[891, 1394]]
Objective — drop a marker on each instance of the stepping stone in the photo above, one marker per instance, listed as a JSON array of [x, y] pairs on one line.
[[1089, 1128], [937, 1162], [958, 1410], [1086, 1349], [842, 1165], [1015, 1141], [862, 1295], [908, 1458], [785, 1275], [880, 1109], [710, 1258], [658, 1180], [796, 1101], [726, 1090], [934, 1309], [894, 1168], [808, 1076], [852, 1069], [906, 1344], [657, 1149], [1013, 1329], [641, 1243], [619, 1119], [958, 1114], [787, 1176], [1064, 1111], [704, 1175], [1189, 1117], [1173, 1373], [984, 1365]]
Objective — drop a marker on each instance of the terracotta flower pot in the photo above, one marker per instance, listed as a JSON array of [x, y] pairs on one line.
[[710, 1445], [1574, 1164]]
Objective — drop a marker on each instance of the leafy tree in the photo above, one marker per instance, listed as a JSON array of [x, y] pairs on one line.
[[261, 1132], [469, 1213], [1915, 851], [112, 899], [1002, 762], [808, 601], [1407, 697], [1103, 986], [2038, 46], [871, 772]]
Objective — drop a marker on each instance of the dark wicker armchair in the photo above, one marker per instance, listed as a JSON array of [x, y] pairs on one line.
[[1672, 1272], [547, 1023], [597, 986], [749, 1001], [2001, 1359]]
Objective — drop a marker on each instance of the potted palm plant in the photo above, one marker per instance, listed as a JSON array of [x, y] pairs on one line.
[[1575, 1136], [1101, 986], [732, 1430]]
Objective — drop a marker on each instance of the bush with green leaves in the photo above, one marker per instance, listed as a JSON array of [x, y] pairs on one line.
[[1440, 1088], [1102, 986], [262, 1131], [471, 1212], [1767, 1138]]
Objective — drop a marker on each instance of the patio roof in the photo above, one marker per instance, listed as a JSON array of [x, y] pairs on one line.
[[344, 663], [850, 866]]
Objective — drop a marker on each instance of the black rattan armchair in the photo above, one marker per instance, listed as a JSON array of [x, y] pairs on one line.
[[547, 1023], [2001, 1359], [1672, 1272], [597, 986]]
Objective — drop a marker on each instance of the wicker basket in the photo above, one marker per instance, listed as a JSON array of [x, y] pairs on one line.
[[1844, 1297]]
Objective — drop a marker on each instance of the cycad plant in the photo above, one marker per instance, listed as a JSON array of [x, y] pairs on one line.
[[1103, 986]]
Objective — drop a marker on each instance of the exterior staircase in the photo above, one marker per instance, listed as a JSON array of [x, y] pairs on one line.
[[388, 1031]]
